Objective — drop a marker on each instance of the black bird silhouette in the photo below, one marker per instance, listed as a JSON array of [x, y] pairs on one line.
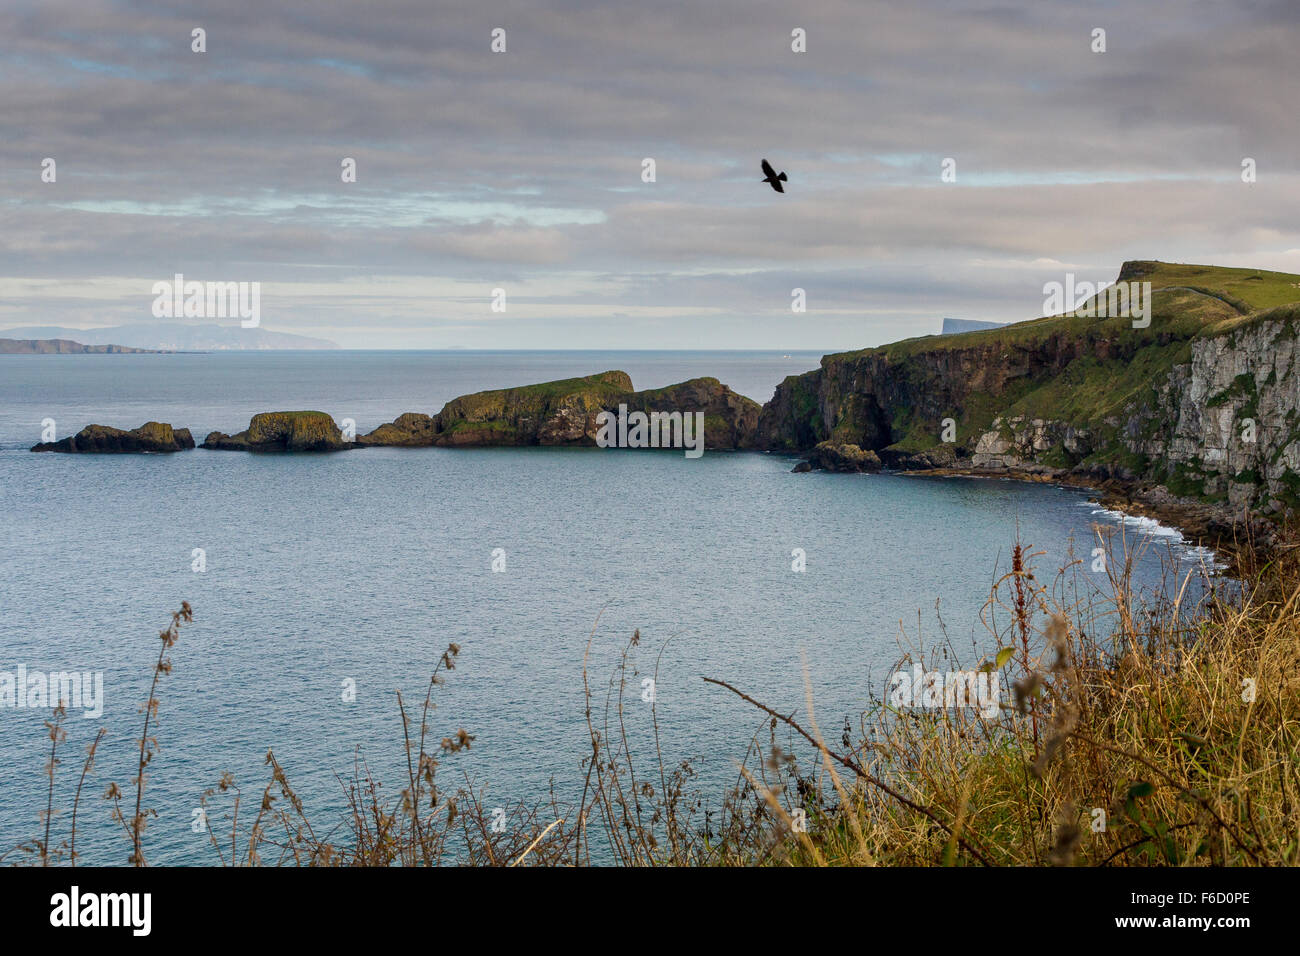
[[771, 177]]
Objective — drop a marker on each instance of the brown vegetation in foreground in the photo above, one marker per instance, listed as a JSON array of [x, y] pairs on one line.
[[1160, 731]]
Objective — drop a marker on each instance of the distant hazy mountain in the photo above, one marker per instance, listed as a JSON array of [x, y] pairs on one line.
[[174, 336], [59, 347], [953, 326]]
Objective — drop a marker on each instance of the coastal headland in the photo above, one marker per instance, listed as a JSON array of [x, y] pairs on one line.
[[1191, 415]]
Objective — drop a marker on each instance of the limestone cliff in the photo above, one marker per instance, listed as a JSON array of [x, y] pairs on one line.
[[1225, 425], [1204, 403]]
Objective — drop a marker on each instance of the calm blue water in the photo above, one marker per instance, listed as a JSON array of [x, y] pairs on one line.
[[363, 566]]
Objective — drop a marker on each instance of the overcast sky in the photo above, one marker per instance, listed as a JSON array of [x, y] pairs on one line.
[[522, 170]]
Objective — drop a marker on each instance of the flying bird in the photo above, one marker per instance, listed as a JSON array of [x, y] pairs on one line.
[[771, 177]]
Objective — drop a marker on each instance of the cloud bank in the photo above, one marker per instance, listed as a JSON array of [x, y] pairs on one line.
[[522, 170]]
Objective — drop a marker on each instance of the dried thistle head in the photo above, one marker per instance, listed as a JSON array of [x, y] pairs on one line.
[[55, 727], [1067, 718], [460, 741], [1026, 690], [1065, 845], [1057, 635]]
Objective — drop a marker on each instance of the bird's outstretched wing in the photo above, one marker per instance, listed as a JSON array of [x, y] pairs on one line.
[[776, 184], [768, 170]]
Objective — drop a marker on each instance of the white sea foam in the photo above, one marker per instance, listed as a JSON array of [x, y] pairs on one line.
[[1150, 527]]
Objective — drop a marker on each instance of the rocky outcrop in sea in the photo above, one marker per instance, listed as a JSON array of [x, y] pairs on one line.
[[565, 413], [151, 437], [283, 432]]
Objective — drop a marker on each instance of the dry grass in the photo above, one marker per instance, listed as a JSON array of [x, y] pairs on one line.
[[1126, 736]]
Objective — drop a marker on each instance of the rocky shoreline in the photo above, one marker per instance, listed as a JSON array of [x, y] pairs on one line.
[[1219, 527]]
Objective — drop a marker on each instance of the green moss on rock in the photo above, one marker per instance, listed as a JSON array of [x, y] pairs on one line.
[[283, 432]]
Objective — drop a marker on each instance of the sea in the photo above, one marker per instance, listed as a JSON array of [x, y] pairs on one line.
[[322, 586]]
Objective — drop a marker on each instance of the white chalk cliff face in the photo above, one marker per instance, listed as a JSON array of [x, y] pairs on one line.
[[1019, 442], [1225, 426], [1233, 413]]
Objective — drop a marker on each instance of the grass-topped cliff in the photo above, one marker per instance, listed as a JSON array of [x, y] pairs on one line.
[[1201, 400], [546, 413]]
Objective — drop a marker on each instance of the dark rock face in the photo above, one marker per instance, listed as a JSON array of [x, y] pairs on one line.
[[730, 420], [220, 441], [876, 398], [790, 420], [411, 430], [1105, 472], [841, 456], [282, 432], [565, 413], [940, 456], [151, 437]]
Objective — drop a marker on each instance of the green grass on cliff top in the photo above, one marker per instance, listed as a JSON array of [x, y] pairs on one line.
[[603, 386], [1195, 300], [1257, 289], [602, 383], [1093, 390], [298, 414]]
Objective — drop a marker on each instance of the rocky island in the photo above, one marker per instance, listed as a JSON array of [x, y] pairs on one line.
[[151, 437], [282, 431], [565, 412]]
